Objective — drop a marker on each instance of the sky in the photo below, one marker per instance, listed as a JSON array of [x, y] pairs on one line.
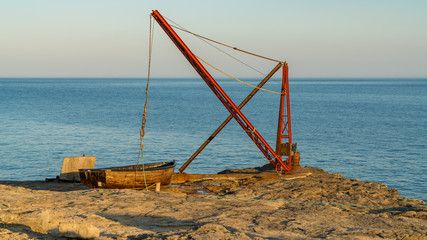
[[318, 39]]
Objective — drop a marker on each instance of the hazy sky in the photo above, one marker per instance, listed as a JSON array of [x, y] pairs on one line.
[[109, 38]]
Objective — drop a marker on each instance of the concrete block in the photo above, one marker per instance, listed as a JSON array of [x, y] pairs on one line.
[[70, 167]]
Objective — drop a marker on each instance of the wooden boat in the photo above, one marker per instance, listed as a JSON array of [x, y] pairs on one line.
[[133, 176]]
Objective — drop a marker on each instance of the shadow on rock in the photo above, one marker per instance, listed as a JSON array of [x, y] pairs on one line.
[[19, 231], [151, 223], [57, 186]]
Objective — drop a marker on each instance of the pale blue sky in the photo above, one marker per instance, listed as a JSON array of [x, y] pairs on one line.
[[108, 38]]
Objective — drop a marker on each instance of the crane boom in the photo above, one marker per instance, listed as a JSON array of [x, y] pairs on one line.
[[250, 130]]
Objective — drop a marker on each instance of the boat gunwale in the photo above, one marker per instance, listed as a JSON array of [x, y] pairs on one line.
[[162, 166]]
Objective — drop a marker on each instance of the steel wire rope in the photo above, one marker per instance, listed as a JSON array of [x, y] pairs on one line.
[[205, 39], [223, 44], [263, 89], [247, 65], [217, 69], [219, 49]]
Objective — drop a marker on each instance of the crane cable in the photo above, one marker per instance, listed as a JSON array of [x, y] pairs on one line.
[[144, 114], [263, 89], [219, 49], [225, 45], [205, 39]]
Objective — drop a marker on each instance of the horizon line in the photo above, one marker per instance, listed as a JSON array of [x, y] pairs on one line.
[[15, 77]]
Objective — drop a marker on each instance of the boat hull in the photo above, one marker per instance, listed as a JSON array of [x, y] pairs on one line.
[[131, 177]]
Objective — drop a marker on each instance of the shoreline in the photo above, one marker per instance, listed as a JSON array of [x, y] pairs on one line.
[[319, 205]]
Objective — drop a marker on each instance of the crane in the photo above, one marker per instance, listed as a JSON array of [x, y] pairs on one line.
[[284, 122]]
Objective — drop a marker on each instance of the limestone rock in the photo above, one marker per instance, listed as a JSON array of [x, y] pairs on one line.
[[75, 230]]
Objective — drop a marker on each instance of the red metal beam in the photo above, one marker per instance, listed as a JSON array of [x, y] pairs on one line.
[[250, 130]]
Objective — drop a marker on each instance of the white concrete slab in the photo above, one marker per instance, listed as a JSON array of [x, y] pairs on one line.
[[70, 167]]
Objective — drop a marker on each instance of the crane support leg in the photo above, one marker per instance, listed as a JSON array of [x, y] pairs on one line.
[[250, 130], [284, 145]]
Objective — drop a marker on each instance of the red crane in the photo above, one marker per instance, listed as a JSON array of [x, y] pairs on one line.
[[284, 127]]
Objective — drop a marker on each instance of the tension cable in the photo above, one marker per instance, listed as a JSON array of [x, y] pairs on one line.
[[206, 40], [225, 45], [263, 89]]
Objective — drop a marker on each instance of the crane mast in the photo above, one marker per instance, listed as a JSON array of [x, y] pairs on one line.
[[284, 127]]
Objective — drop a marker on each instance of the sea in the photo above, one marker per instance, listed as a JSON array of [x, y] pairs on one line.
[[366, 129]]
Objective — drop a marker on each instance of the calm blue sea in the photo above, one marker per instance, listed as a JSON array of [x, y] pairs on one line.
[[369, 129]]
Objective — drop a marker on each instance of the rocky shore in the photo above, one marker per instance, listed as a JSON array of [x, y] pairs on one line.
[[319, 205]]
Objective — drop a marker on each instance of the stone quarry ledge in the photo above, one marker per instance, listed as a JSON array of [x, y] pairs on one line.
[[250, 204], [183, 177]]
